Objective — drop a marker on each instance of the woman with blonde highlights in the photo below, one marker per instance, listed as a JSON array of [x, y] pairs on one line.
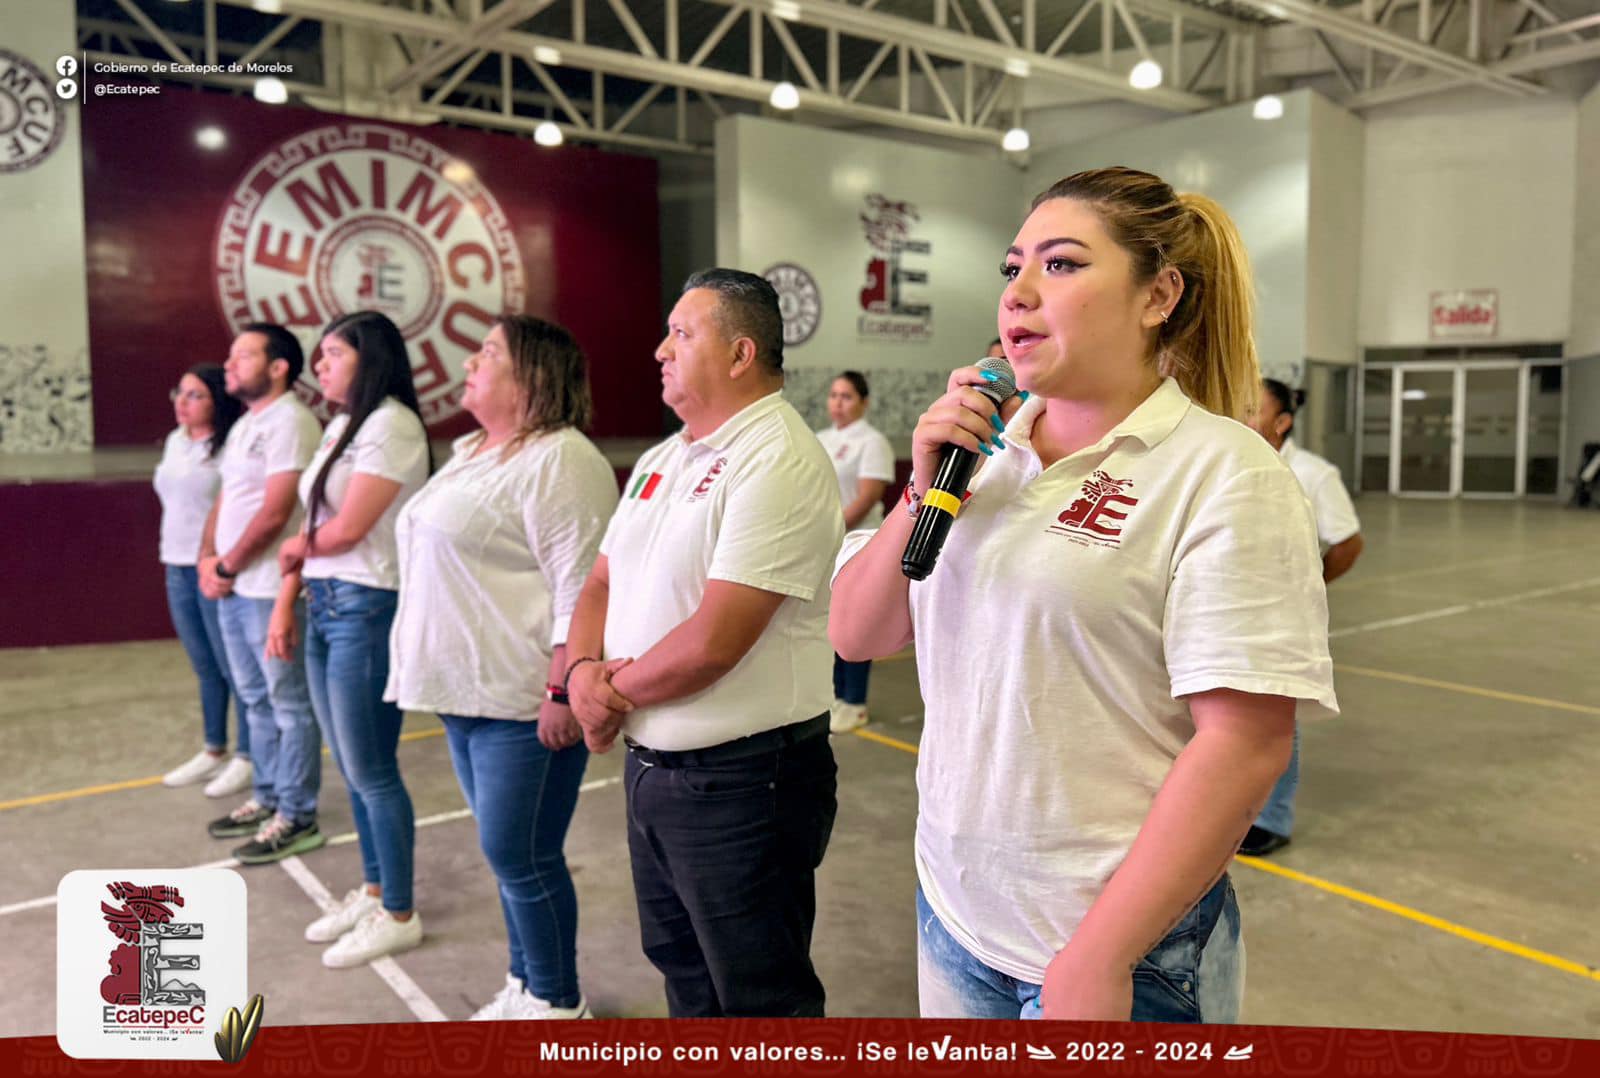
[[1119, 633]]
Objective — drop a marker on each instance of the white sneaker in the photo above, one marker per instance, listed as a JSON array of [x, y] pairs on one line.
[[374, 936], [235, 778], [343, 917], [527, 1007], [500, 1006], [202, 765], [846, 717]]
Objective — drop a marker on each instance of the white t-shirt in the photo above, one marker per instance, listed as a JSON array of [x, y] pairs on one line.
[[493, 555], [743, 504], [1331, 507], [859, 451], [391, 444], [1070, 613], [280, 438], [187, 480]]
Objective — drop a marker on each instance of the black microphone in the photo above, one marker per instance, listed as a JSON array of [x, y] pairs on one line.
[[942, 501]]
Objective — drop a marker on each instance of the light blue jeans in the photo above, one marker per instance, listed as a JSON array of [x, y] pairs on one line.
[[284, 743], [195, 618], [1195, 974], [1277, 815], [347, 666]]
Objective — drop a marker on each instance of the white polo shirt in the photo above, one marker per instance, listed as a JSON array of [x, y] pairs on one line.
[[493, 554], [859, 451], [186, 481], [280, 438], [1335, 514], [1072, 611], [392, 444], [750, 504]]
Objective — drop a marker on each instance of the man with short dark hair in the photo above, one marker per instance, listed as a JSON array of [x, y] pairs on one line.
[[257, 509], [701, 636]]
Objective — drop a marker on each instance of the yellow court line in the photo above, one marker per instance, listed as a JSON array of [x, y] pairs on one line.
[[1544, 958], [153, 780], [1471, 690]]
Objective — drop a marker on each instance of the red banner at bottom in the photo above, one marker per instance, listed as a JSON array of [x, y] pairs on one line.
[[845, 1046]]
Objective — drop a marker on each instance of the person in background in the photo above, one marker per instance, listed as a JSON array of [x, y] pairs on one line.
[[996, 349], [1339, 536], [864, 462], [493, 554], [1114, 642], [187, 481], [374, 455], [261, 464], [701, 637]]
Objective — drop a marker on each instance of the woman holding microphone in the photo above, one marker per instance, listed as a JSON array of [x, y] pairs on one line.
[[1115, 641]]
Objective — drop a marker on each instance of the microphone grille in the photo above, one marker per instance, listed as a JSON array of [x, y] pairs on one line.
[[1004, 387]]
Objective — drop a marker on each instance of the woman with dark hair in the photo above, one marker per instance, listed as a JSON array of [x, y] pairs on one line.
[[374, 456], [1125, 619], [864, 462], [493, 554], [1339, 537], [187, 481]]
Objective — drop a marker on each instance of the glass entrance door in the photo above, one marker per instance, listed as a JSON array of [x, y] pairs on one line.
[[1426, 433], [1490, 432]]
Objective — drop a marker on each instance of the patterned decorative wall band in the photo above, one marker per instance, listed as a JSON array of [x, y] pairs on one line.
[[44, 400], [899, 395]]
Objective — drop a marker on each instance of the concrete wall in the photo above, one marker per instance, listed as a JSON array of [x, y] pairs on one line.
[[44, 320], [1469, 191]]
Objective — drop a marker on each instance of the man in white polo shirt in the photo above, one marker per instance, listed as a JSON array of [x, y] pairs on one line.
[[701, 637], [1339, 537], [258, 508]]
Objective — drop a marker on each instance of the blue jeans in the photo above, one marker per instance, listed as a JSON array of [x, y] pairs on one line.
[[850, 680], [347, 666], [195, 618], [272, 694], [1195, 974], [1277, 815], [523, 796]]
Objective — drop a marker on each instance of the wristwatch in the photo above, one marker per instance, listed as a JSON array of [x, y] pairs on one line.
[[223, 571]]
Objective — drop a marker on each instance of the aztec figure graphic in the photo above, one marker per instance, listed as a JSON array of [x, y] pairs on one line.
[[143, 923]]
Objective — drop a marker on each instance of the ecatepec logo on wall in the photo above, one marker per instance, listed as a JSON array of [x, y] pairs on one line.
[[31, 119], [148, 962], [366, 217], [889, 310], [799, 301]]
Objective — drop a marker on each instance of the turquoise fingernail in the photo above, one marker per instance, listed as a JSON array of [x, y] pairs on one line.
[[986, 450], [998, 443], [1024, 395], [990, 376], [999, 426]]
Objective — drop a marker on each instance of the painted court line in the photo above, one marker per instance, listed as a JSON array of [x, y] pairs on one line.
[[1462, 608], [343, 839], [1470, 690], [1499, 559], [153, 780], [1544, 958], [398, 980]]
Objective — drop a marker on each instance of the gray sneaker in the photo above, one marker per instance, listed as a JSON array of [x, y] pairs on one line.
[[244, 820], [279, 838]]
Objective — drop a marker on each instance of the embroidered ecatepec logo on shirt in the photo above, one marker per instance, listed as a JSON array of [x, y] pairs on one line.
[[703, 487], [645, 486], [1098, 512]]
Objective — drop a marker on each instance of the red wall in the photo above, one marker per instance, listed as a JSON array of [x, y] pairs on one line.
[[583, 221]]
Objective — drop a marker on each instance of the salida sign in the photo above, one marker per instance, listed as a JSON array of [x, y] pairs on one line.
[[1465, 314]]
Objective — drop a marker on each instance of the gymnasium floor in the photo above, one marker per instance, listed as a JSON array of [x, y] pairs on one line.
[[1444, 873]]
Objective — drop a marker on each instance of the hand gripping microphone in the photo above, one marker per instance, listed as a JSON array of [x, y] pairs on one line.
[[942, 501]]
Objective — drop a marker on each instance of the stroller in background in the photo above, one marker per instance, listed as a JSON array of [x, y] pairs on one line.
[[1586, 488]]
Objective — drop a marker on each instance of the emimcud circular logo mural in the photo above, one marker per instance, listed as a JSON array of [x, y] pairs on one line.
[[360, 216]]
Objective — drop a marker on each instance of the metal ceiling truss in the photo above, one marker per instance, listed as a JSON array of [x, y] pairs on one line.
[[950, 68]]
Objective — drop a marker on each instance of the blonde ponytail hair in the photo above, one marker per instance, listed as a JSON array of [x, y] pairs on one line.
[[1207, 342]]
